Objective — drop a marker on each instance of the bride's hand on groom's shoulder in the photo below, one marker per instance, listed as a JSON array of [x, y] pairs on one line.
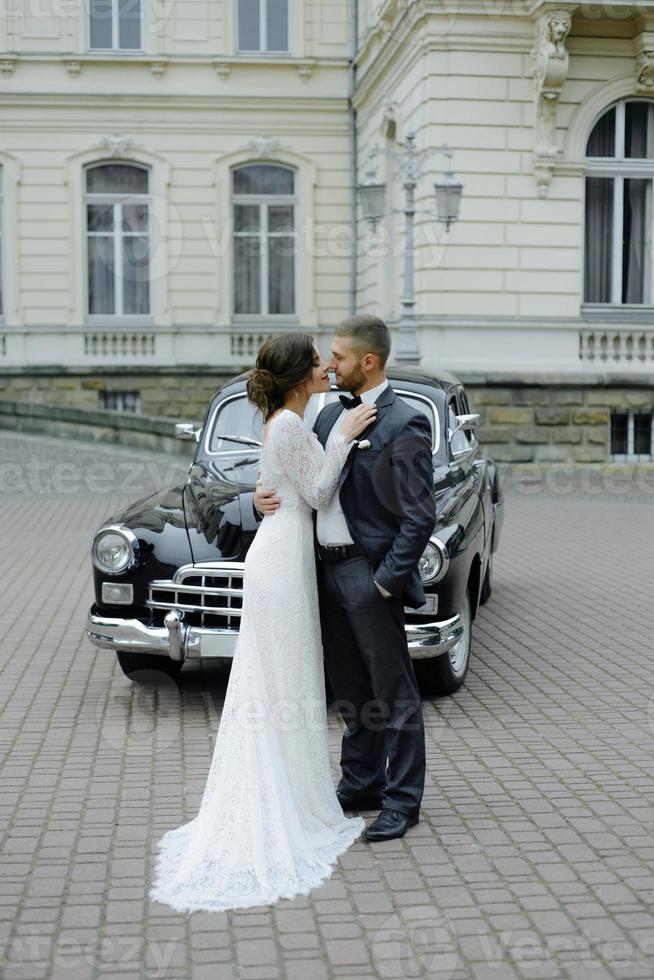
[[356, 420], [266, 501]]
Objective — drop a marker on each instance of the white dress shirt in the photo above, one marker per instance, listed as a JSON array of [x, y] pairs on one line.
[[331, 526]]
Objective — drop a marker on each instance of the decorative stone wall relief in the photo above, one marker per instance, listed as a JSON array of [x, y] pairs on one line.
[[550, 70], [645, 73], [117, 146]]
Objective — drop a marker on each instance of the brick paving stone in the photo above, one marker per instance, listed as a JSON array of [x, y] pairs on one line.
[[306, 970], [534, 856]]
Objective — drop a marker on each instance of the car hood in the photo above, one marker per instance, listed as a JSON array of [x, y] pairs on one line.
[[159, 525]]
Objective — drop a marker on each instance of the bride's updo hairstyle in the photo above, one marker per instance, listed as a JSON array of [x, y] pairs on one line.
[[282, 363]]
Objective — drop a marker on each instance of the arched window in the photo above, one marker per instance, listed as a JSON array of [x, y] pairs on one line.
[[263, 200], [118, 239], [619, 222]]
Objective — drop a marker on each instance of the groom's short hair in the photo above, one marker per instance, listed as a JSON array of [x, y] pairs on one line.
[[368, 333]]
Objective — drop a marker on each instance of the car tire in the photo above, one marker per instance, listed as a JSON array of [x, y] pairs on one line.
[[140, 666], [487, 585], [445, 674]]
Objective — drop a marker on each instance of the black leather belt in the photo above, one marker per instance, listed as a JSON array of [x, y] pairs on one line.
[[339, 552]]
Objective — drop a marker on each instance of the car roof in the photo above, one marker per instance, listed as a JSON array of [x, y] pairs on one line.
[[395, 373]]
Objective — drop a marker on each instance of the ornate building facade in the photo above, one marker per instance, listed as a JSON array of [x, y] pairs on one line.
[[178, 181]]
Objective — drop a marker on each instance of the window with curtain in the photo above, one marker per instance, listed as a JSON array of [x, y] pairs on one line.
[[619, 220], [118, 239], [263, 25], [264, 247], [115, 24]]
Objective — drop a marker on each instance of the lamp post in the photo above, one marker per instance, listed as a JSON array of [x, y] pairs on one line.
[[409, 167]]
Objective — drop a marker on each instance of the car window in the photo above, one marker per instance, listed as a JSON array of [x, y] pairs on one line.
[[237, 416]]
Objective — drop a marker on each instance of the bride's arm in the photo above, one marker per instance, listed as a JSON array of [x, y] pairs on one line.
[[313, 473]]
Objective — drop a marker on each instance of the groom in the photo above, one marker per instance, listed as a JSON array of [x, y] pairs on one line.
[[369, 541]]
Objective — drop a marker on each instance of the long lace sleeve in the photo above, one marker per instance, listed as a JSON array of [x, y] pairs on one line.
[[313, 473]]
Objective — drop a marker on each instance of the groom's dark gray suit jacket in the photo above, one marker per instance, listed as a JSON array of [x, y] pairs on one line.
[[387, 492]]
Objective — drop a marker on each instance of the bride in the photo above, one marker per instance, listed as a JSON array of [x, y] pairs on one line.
[[270, 825]]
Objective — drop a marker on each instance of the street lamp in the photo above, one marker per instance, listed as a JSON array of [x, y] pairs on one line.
[[409, 167]]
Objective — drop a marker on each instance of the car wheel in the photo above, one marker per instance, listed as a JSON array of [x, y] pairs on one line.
[[487, 585], [139, 666], [445, 674]]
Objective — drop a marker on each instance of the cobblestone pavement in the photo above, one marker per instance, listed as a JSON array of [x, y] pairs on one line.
[[534, 856]]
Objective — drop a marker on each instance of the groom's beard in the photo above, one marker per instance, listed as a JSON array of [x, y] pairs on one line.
[[353, 381]]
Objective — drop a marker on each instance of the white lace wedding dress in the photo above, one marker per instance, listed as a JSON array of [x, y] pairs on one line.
[[269, 825]]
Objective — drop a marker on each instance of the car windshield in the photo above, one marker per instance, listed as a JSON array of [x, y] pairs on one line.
[[236, 416]]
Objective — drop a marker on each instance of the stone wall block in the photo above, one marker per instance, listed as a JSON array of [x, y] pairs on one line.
[[567, 396], [531, 396], [609, 397], [598, 435], [552, 454], [510, 454], [640, 399], [527, 434], [566, 434], [591, 416], [589, 454], [494, 433], [488, 396], [511, 416], [552, 416]]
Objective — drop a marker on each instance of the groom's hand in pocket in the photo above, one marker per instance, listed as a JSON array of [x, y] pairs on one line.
[[266, 501]]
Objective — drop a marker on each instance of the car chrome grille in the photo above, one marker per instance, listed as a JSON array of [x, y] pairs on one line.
[[209, 594]]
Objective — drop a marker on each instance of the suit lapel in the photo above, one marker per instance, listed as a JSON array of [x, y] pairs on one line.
[[383, 403]]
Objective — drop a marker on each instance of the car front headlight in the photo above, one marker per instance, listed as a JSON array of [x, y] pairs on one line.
[[114, 549], [434, 562]]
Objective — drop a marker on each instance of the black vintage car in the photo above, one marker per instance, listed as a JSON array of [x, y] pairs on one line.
[[169, 568]]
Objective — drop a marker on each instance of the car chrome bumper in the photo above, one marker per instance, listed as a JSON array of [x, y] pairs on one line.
[[173, 640], [433, 639], [179, 642]]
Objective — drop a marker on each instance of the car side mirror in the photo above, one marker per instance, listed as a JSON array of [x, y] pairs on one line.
[[465, 423], [187, 430]]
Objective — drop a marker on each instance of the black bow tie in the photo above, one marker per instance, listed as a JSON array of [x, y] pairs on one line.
[[349, 402]]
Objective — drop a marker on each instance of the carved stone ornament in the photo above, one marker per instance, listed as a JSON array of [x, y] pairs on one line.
[[264, 146], [390, 116], [645, 73], [305, 70], [7, 65], [73, 67], [223, 69], [116, 146], [550, 70]]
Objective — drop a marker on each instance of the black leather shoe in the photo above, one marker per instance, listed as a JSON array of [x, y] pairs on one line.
[[388, 825], [359, 802]]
